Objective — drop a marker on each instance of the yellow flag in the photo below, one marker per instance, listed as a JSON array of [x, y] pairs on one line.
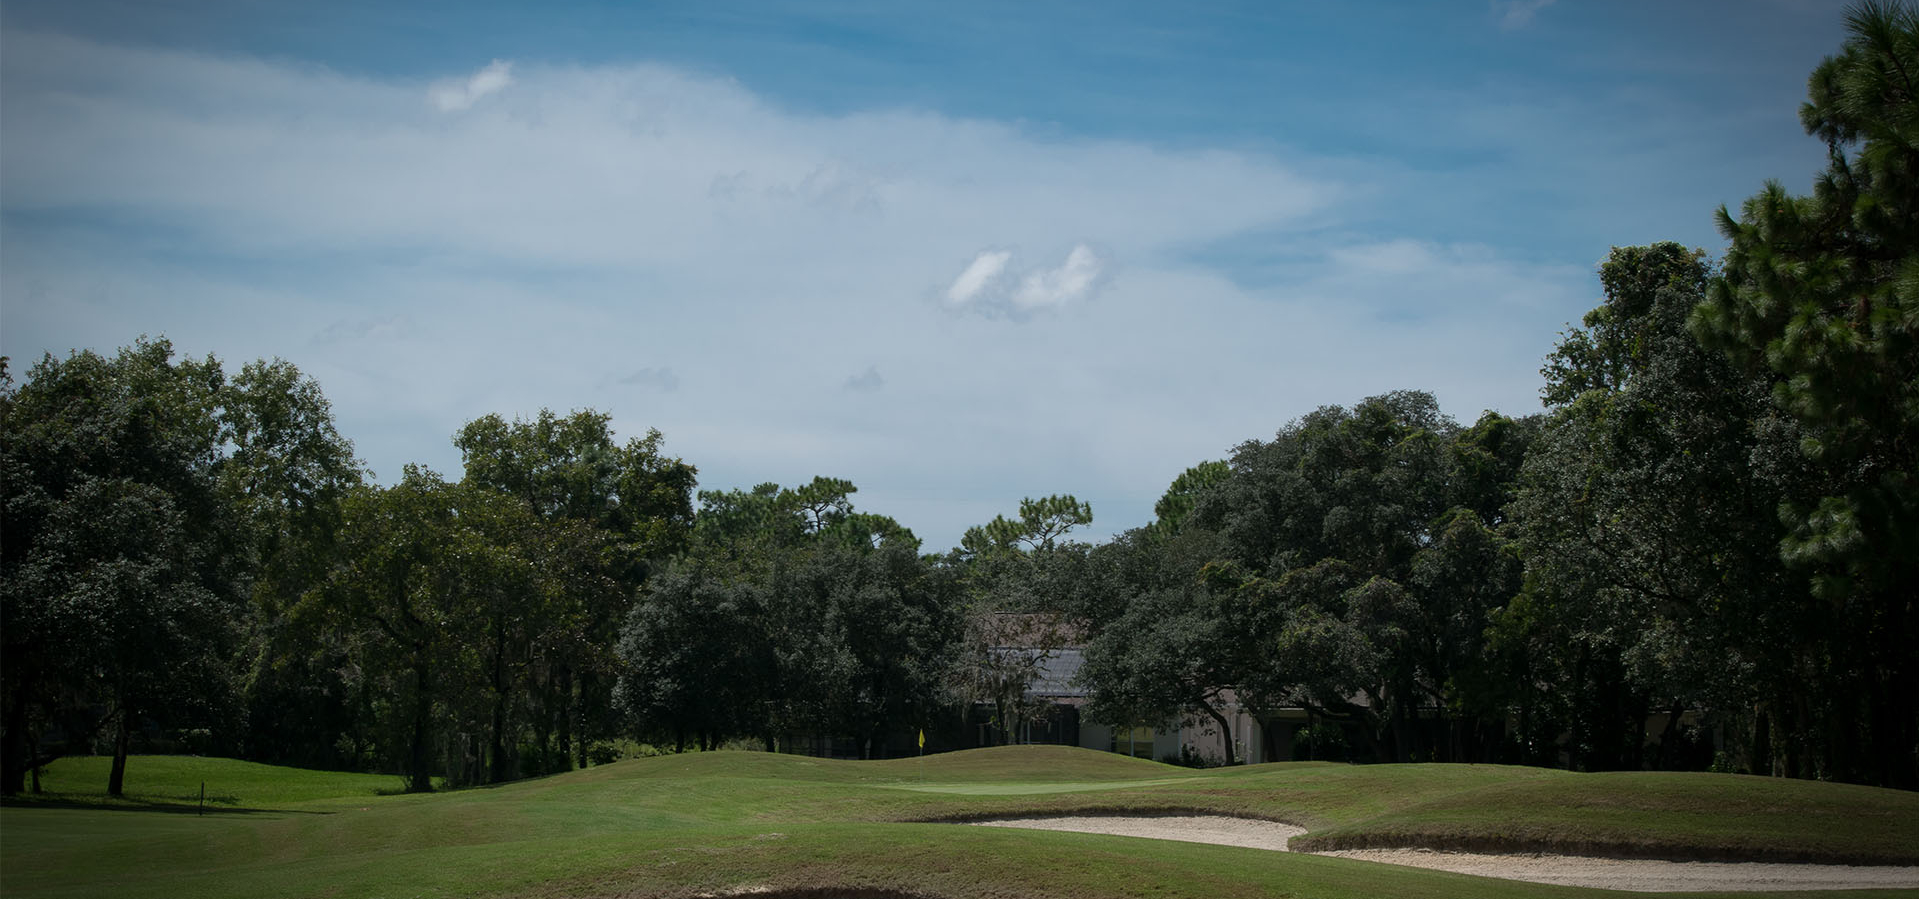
[[922, 739]]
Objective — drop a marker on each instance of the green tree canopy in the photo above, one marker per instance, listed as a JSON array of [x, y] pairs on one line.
[[121, 559], [1821, 292], [621, 510], [1041, 522], [791, 614]]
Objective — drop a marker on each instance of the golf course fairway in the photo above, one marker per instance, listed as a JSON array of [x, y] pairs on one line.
[[726, 823]]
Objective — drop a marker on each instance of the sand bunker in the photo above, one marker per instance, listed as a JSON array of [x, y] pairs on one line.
[[1642, 875], [1188, 828]]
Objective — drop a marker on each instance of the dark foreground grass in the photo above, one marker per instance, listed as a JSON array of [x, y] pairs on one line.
[[725, 822]]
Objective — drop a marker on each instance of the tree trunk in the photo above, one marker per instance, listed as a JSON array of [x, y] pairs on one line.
[[1526, 754], [1669, 736], [117, 777], [1794, 735], [1370, 722], [419, 779], [34, 762], [587, 683], [1897, 761], [497, 742], [563, 691], [1492, 742], [362, 712], [1402, 731], [497, 745], [1640, 709], [543, 745], [1761, 742], [17, 755], [1225, 732]]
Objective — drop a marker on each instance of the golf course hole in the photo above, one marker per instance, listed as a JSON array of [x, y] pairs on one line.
[[1631, 874]]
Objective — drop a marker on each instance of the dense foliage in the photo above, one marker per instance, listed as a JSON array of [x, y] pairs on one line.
[[1820, 299], [790, 617], [1701, 552]]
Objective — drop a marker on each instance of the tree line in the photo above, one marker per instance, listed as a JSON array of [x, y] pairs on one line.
[[1716, 517]]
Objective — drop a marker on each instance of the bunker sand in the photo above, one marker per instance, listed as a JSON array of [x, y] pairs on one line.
[[1638, 875]]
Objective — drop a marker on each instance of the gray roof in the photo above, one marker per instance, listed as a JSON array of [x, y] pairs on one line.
[[1056, 673]]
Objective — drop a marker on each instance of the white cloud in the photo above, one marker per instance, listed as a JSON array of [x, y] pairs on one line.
[[990, 287], [532, 248], [1053, 287], [615, 168], [455, 95], [978, 274]]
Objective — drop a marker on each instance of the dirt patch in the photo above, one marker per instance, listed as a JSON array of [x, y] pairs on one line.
[[1640, 875]]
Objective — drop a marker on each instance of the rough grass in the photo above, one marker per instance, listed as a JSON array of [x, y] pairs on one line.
[[717, 822]]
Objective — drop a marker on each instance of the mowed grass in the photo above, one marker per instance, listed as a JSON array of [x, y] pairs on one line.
[[180, 781], [711, 823], [1655, 814]]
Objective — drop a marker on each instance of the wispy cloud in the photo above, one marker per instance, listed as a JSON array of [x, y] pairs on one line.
[[390, 327], [661, 379], [1516, 14], [866, 381], [456, 94]]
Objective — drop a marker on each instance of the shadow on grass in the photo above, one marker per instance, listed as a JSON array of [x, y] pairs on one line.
[[224, 805], [191, 803]]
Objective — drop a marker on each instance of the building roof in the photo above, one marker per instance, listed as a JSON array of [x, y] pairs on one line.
[[1056, 673]]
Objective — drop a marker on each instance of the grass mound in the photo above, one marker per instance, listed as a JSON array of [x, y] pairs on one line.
[[1026, 764], [998, 764], [726, 822]]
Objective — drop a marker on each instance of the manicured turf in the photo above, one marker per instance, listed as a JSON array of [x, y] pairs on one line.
[[717, 822], [1706, 816]]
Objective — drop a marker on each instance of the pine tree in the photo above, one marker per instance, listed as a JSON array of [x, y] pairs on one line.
[[1822, 291]]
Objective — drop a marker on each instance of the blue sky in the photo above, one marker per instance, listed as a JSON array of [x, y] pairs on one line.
[[955, 253]]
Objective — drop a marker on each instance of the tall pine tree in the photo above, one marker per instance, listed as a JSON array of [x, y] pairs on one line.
[[1823, 291]]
